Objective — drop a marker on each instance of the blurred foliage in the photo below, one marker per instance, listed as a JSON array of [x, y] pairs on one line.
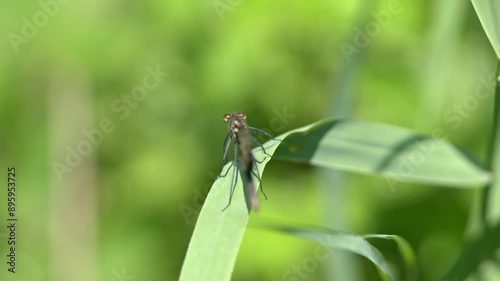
[[259, 57]]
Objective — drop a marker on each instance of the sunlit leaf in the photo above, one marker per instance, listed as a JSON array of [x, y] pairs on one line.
[[488, 12], [378, 149]]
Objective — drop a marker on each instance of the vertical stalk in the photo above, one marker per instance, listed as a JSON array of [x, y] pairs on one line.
[[492, 149]]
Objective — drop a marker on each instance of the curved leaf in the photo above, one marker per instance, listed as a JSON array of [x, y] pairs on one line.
[[378, 149], [217, 236], [405, 250], [344, 241], [488, 12]]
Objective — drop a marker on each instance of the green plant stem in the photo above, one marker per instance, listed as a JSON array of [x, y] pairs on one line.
[[473, 253], [492, 148]]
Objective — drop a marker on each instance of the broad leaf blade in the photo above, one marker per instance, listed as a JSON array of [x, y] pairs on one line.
[[377, 149]]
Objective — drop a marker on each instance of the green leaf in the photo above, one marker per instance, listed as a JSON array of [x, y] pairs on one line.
[[405, 250], [488, 12], [349, 242], [377, 149], [217, 236]]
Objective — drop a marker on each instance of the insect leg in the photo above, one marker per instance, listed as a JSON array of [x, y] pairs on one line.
[[224, 157], [260, 144], [258, 177], [234, 177], [261, 131]]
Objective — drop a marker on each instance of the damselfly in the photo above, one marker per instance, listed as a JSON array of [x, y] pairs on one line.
[[240, 135]]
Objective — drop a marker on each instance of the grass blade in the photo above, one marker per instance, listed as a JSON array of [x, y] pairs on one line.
[[344, 241], [383, 150]]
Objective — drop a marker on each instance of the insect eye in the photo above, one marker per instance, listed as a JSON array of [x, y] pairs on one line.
[[226, 117], [241, 115]]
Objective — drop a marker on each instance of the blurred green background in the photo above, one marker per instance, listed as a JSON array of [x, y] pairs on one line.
[[124, 207]]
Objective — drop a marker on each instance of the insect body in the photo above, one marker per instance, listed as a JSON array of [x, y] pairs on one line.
[[240, 135]]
